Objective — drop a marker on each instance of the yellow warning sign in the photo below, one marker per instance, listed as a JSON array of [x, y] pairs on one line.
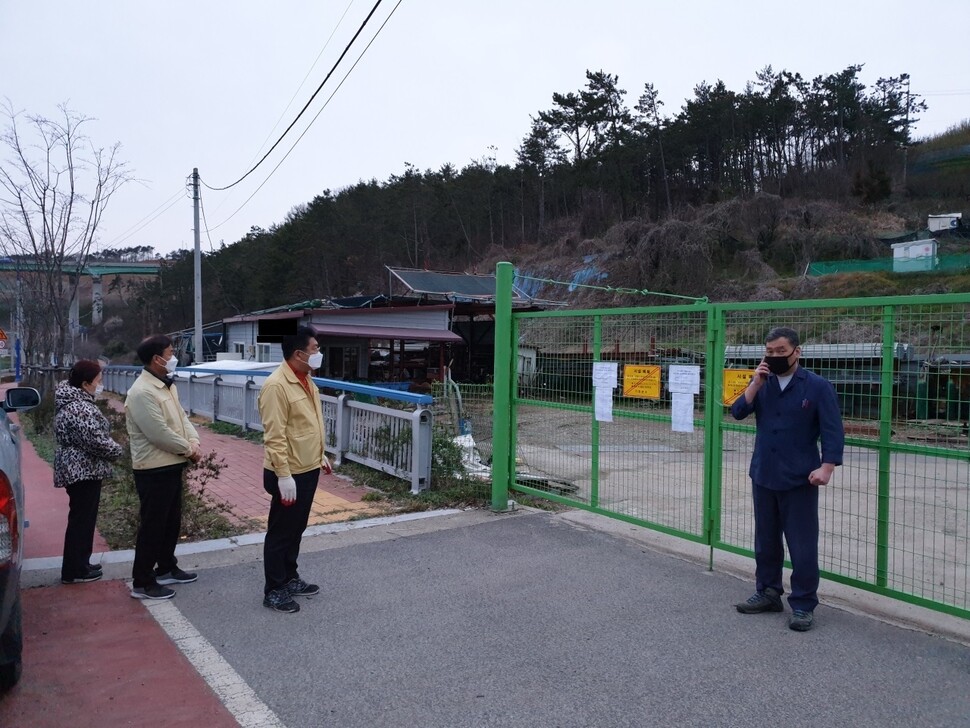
[[735, 382], [641, 380]]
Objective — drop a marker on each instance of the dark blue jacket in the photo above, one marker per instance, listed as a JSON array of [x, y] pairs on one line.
[[789, 425]]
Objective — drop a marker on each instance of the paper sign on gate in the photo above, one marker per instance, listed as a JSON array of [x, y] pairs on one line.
[[641, 380], [684, 378]]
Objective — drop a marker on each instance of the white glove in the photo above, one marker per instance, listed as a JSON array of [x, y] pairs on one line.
[[287, 490]]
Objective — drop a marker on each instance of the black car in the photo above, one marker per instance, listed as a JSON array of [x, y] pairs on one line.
[[11, 534]]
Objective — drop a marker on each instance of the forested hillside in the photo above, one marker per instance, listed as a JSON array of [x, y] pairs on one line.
[[726, 197]]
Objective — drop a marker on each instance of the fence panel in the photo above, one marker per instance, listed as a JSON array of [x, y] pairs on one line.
[[633, 467]]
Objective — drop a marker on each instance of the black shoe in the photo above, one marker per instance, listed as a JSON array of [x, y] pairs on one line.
[[801, 621], [90, 576], [299, 588], [152, 591], [176, 576], [281, 601], [94, 567], [768, 600]]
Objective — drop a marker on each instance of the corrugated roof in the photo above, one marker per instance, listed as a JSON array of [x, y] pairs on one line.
[[453, 286]]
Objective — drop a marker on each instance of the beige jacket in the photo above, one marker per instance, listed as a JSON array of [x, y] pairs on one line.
[[159, 432], [293, 431]]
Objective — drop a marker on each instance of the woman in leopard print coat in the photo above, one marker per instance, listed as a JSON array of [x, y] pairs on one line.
[[82, 459]]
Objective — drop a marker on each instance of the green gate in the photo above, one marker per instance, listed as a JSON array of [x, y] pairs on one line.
[[896, 518]]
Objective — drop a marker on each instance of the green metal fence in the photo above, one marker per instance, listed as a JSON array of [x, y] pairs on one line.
[[895, 519], [938, 264]]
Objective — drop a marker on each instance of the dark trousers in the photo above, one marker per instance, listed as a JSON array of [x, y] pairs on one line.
[[160, 493], [82, 517], [284, 532], [794, 514]]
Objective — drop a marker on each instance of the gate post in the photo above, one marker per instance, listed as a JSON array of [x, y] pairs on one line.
[[502, 467]]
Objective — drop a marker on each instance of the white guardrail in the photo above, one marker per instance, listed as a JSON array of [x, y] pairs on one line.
[[394, 441]]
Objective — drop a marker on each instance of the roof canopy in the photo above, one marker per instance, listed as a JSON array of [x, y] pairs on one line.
[[385, 332]]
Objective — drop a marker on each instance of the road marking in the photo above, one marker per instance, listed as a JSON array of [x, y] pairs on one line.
[[233, 691]]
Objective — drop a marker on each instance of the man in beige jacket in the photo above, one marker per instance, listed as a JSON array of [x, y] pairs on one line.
[[162, 442], [294, 440]]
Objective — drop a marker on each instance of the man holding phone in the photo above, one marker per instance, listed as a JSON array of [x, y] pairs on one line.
[[794, 409]]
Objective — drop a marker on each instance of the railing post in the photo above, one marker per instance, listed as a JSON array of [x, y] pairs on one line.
[[342, 427], [502, 466], [421, 434], [247, 388], [190, 410], [215, 398]]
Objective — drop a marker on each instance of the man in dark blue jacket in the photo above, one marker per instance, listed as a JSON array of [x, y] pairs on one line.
[[794, 409]]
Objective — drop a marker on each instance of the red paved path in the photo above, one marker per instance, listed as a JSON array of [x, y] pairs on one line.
[[95, 657]]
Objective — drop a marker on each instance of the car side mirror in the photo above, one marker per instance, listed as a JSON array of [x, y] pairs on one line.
[[21, 398]]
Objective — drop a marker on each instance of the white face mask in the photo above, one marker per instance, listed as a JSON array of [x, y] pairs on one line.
[[170, 365], [98, 390], [315, 361]]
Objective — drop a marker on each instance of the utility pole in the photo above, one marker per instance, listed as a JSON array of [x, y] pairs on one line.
[[199, 357], [906, 140]]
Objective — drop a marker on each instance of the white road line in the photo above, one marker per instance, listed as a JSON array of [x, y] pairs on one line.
[[233, 691]]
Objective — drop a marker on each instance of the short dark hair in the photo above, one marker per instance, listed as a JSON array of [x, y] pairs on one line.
[[783, 332], [151, 347], [83, 372], [293, 343]]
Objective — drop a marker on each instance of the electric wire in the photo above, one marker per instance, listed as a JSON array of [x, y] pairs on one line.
[[325, 103], [306, 106], [148, 219], [295, 93], [300, 87]]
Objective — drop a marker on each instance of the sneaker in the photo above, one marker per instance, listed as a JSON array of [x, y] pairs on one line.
[[90, 576], [801, 621], [768, 600], [176, 576], [152, 591], [281, 601], [299, 588], [94, 567]]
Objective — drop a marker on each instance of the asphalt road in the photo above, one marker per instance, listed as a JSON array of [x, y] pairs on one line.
[[534, 619]]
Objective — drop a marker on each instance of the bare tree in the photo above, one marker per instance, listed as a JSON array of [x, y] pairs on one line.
[[55, 185]]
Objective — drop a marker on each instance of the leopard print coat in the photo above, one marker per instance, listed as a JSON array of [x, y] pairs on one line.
[[84, 448]]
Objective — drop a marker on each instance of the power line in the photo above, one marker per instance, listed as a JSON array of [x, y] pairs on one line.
[[306, 106], [325, 103], [309, 71], [149, 218], [295, 93]]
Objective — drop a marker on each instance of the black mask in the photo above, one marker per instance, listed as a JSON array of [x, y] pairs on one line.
[[778, 364]]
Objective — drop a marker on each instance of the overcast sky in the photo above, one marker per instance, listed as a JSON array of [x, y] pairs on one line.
[[203, 84]]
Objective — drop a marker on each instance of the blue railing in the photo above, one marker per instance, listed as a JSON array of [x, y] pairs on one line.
[[392, 393]]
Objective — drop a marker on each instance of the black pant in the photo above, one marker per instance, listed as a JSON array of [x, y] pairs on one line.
[[160, 493], [284, 532], [794, 514], [82, 517]]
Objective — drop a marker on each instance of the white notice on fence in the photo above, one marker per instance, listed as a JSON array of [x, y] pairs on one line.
[[604, 374], [603, 403], [684, 378], [682, 412]]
